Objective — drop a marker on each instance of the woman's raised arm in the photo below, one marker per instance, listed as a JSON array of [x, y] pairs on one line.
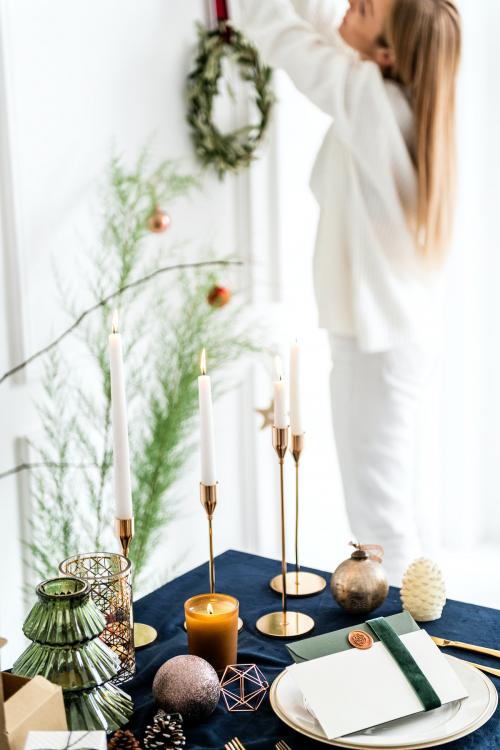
[[315, 58], [322, 15]]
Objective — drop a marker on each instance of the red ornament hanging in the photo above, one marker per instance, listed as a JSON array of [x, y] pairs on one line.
[[218, 296], [159, 221]]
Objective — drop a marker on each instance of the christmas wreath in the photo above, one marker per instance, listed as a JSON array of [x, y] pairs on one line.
[[226, 152]]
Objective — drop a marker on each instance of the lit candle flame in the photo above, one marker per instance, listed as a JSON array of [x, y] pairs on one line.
[[210, 609], [114, 322], [278, 368], [203, 362]]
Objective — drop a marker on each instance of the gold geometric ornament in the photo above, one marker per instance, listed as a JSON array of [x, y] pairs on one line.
[[243, 687]]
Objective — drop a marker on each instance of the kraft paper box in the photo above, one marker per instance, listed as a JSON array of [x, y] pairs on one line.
[[27, 705], [95, 740]]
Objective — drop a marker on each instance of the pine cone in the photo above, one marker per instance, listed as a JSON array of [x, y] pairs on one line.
[[165, 733], [123, 740]]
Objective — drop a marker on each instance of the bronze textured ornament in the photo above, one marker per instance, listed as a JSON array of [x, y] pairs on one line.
[[159, 221], [360, 584]]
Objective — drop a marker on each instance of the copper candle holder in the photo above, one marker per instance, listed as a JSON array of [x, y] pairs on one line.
[[283, 624], [143, 634], [125, 528], [298, 582]]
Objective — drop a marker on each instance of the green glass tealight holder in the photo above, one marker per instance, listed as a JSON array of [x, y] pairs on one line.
[[77, 667], [63, 615], [65, 626]]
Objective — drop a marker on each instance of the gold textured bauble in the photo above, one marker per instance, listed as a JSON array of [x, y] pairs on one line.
[[360, 584]]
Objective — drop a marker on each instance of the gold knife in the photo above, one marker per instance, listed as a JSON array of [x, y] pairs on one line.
[[443, 642]]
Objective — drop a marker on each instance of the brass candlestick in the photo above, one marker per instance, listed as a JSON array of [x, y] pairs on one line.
[[143, 634], [208, 498], [283, 624], [125, 528], [298, 582]]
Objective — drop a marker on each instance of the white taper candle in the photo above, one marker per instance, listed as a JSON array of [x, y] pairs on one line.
[[207, 439], [121, 459]]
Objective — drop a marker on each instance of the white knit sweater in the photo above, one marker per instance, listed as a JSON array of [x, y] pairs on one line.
[[370, 282]]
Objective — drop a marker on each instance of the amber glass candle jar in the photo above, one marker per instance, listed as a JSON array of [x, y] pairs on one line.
[[212, 628]]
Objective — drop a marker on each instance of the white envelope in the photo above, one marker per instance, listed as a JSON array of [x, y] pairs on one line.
[[354, 690]]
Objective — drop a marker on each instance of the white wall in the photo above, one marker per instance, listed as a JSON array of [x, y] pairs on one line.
[[81, 77]]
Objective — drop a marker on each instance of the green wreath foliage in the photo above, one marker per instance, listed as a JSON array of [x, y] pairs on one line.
[[226, 152]]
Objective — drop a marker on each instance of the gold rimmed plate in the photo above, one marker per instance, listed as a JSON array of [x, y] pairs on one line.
[[450, 722]]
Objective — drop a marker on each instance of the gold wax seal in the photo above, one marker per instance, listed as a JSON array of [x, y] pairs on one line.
[[360, 639]]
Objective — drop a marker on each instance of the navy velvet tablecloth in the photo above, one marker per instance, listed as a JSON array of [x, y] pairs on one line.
[[247, 577]]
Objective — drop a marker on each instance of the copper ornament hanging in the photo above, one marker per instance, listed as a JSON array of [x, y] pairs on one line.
[[359, 584], [159, 221]]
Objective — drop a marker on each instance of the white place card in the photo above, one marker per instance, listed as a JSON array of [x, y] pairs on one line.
[[354, 690]]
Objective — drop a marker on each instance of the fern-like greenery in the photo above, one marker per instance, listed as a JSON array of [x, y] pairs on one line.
[[165, 324]]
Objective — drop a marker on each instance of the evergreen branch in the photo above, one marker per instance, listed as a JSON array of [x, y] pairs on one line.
[[71, 507], [109, 298]]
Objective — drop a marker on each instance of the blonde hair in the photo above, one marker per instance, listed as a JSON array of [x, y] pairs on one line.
[[426, 38]]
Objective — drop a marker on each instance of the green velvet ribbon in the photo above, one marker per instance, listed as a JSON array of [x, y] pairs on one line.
[[417, 679]]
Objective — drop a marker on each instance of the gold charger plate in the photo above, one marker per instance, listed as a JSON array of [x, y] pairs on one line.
[[357, 743]]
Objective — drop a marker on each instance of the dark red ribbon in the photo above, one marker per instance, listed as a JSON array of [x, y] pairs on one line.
[[221, 11]]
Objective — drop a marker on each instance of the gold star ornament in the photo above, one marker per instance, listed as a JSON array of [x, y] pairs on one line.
[[267, 415]]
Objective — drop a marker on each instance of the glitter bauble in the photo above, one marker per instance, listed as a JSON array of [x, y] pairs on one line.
[[159, 221], [218, 296], [359, 584], [187, 685], [423, 592]]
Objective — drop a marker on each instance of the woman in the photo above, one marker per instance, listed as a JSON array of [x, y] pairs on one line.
[[384, 182]]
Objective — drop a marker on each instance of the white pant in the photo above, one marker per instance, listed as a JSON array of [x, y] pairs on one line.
[[375, 398]]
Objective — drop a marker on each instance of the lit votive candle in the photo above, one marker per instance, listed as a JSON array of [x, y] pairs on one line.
[[212, 628]]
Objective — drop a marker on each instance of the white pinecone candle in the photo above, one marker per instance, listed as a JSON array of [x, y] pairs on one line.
[[423, 592]]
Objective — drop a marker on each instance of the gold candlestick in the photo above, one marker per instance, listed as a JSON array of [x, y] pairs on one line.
[[208, 498], [143, 634], [125, 528], [283, 624], [298, 582]]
